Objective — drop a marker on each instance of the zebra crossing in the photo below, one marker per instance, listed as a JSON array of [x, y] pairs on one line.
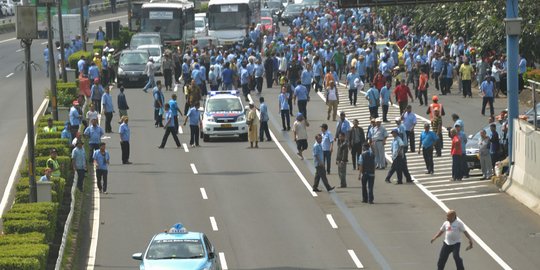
[[438, 184]]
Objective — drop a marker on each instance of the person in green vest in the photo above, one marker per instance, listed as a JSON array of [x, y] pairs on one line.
[[52, 163], [50, 128]]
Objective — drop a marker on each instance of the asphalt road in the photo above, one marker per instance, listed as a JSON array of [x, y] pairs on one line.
[[267, 218], [13, 103]]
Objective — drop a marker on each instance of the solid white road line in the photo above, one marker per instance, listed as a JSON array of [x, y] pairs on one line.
[[470, 197], [355, 259], [7, 40], [223, 261], [331, 220], [456, 183], [9, 75], [18, 160], [203, 194], [180, 130], [186, 149], [193, 168], [214, 224], [457, 193], [457, 188], [289, 159]]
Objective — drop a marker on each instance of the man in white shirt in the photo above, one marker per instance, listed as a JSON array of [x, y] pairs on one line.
[[452, 228]]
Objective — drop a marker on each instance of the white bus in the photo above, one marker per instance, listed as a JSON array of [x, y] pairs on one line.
[[229, 20], [173, 19]]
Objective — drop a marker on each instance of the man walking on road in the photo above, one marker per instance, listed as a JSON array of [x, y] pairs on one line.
[[125, 134], [318, 161], [101, 162], [332, 100], [356, 139], [194, 118], [342, 159], [96, 92], [78, 161], [386, 100], [466, 71], [283, 100], [173, 104], [299, 134], [378, 140], [327, 146], [158, 105], [122, 104], [427, 140], [301, 95], [436, 125], [373, 97], [452, 228], [409, 121], [150, 71], [169, 128], [107, 104], [264, 118], [486, 91], [366, 166], [94, 133], [401, 92], [399, 163]]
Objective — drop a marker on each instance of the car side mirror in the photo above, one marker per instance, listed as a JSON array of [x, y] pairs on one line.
[[137, 256], [211, 255]]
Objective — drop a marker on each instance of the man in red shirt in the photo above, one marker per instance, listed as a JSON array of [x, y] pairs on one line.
[[456, 152], [401, 92]]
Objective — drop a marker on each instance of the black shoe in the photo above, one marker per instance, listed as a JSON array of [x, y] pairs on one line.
[[330, 189], [342, 186], [371, 202], [399, 183], [316, 190], [387, 180], [410, 181], [127, 162], [284, 129], [160, 147], [364, 201]]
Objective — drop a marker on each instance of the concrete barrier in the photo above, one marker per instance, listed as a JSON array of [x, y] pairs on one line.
[[524, 179]]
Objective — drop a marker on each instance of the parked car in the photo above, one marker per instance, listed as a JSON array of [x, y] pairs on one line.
[[201, 25], [131, 67], [472, 150], [147, 38], [155, 52]]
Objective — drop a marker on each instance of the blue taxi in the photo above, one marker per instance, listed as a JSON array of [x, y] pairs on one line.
[[224, 116], [178, 248]]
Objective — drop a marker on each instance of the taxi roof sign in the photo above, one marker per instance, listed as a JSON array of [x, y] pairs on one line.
[[178, 228], [228, 92]]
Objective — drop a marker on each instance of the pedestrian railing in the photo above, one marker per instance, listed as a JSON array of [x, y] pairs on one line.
[[535, 86]]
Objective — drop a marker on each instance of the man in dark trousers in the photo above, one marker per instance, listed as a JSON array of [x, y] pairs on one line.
[[269, 70], [366, 166], [122, 104], [356, 139], [320, 172], [169, 128], [342, 157], [452, 228], [125, 134]]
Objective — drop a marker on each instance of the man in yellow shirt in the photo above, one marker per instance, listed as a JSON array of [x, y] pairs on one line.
[[466, 72], [50, 128]]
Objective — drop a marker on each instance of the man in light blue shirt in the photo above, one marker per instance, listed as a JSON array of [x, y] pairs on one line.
[[81, 65], [372, 95], [318, 162], [386, 100], [74, 118], [96, 92], [174, 110], [101, 162], [244, 80], [94, 134], [107, 104], [409, 121], [436, 67], [125, 134], [258, 73], [263, 129], [343, 126], [78, 162], [302, 96], [353, 90], [306, 77], [486, 89], [194, 117], [327, 146], [427, 140], [399, 163], [317, 73]]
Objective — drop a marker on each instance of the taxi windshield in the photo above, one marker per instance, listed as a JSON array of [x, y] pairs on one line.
[[175, 249], [224, 105]]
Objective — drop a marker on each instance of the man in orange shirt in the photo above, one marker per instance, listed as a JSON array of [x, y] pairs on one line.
[[401, 92], [423, 87], [435, 106]]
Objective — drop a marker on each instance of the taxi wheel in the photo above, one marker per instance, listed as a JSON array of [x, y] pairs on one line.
[[206, 138]]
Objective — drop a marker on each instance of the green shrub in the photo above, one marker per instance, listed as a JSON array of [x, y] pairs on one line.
[[125, 37], [63, 161], [26, 238], [24, 216], [75, 57], [44, 150], [116, 44], [59, 184], [31, 251], [23, 196], [531, 74], [32, 225], [52, 141], [58, 124], [49, 135], [17, 263], [66, 93], [39, 171], [99, 44], [48, 208]]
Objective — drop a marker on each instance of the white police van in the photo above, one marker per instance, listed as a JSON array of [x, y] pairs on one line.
[[224, 116]]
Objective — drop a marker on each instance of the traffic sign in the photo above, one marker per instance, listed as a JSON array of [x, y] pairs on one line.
[[369, 3]]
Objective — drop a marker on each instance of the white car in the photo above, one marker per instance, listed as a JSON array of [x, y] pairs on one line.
[[224, 116], [201, 25], [155, 52]]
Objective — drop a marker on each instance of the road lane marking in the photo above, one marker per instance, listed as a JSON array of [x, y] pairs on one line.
[[44, 43], [469, 197], [175, 87], [355, 259], [457, 193], [455, 184], [456, 188], [203, 194], [186, 149], [193, 168], [223, 261], [331, 220], [7, 40], [19, 50], [214, 224], [288, 158], [180, 130], [18, 161], [9, 75]]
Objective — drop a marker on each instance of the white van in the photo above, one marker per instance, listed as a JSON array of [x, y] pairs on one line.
[[201, 24]]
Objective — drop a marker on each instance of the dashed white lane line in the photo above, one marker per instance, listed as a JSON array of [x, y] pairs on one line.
[[180, 130], [289, 159], [193, 168], [355, 259], [186, 149], [203, 194], [214, 224], [331, 221], [223, 261], [9, 75], [19, 50], [469, 197]]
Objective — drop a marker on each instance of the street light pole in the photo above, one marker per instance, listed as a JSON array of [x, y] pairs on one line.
[[83, 35], [512, 49], [52, 68], [26, 43], [61, 33]]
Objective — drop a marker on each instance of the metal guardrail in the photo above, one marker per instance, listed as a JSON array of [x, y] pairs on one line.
[[535, 86]]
